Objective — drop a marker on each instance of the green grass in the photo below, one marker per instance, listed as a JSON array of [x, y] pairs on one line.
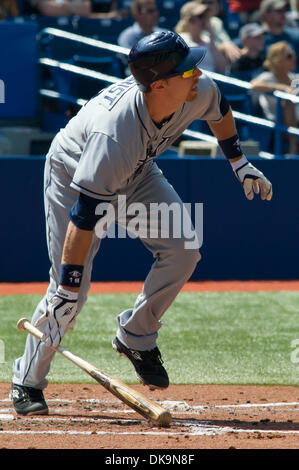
[[206, 338]]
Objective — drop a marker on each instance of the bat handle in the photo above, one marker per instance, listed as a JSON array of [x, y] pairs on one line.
[[25, 325]]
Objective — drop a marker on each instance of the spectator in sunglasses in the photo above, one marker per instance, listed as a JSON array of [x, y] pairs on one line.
[[146, 16], [194, 20], [281, 63]]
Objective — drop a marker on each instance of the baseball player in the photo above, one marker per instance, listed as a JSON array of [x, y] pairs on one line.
[[107, 150]]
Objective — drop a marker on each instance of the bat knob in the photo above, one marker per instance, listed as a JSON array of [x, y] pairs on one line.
[[20, 324]]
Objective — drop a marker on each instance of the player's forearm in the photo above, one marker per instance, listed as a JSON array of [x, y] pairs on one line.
[[75, 250], [261, 86], [225, 128], [76, 245]]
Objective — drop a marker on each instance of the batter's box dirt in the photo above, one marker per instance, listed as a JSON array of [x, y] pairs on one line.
[[203, 417]]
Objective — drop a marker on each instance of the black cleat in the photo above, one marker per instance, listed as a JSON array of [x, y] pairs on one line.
[[28, 401], [148, 365]]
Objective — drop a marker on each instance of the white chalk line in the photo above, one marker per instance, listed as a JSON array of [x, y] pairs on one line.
[[176, 407], [171, 405], [194, 431]]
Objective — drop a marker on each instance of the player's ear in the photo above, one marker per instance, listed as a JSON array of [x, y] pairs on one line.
[[158, 85]]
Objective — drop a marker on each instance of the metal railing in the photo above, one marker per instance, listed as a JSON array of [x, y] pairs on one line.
[[277, 126]]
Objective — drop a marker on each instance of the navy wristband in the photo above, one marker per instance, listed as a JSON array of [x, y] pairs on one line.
[[231, 147], [70, 275]]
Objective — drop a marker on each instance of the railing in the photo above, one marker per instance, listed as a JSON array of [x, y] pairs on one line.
[[277, 126]]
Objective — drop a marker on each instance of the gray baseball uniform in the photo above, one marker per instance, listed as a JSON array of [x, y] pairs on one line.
[[105, 151]]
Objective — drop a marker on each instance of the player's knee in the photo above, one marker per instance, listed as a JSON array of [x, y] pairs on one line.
[[190, 258], [187, 259]]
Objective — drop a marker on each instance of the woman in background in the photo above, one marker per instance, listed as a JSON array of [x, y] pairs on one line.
[[280, 62], [194, 20]]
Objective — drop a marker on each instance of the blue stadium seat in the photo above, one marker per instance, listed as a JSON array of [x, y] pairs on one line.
[[106, 30], [238, 97], [66, 23]]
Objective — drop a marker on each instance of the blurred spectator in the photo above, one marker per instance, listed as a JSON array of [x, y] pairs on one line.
[[59, 7], [243, 8], [84, 8], [107, 9], [194, 20], [252, 57], [273, 16], [220, 35], [146, 16], [293, 14], [8, 8], [281, 63]]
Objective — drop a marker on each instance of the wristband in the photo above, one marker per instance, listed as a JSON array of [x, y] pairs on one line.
[[231, 147], [70, 275]]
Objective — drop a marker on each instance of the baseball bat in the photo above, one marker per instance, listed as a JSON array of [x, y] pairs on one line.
[[131, 397]]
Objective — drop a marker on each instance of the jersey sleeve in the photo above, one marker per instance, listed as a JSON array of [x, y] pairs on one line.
[[209, 97], [103, 168]]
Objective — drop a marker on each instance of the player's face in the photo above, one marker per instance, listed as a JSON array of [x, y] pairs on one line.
[[183, 88]]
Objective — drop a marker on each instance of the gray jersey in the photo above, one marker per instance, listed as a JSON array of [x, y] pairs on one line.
[[113, 136]]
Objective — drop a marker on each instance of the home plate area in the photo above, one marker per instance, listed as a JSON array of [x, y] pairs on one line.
[[86, 416]]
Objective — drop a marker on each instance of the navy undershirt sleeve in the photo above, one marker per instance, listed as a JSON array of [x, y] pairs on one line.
[[224, 105], [82, 213]]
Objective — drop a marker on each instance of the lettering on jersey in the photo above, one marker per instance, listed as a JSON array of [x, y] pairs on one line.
[[113, 94]]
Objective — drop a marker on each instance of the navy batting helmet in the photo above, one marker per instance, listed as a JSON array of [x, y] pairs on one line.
[[162, 55]]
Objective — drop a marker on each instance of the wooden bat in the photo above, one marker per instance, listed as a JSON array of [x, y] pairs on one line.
[[140, 403]]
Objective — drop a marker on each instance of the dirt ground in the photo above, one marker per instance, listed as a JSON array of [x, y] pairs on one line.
[[203, 417]]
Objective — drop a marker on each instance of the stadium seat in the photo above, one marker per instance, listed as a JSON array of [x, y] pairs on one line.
[[106, 30]]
